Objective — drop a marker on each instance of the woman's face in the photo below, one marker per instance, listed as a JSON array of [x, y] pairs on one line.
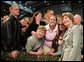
[[59, 19], [62, 27], [66, 21], [52, 21], [39, 17]]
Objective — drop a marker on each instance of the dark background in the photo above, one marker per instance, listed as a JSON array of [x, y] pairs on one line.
[[32, 6]]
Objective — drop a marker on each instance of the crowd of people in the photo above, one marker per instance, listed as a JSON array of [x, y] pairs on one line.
[[60, 35]]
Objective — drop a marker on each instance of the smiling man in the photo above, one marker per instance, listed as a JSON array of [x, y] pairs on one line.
[[10, 33]]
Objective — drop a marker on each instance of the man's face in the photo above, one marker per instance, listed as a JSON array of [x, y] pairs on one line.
[[15, 10], [77, 19], [40, 33]]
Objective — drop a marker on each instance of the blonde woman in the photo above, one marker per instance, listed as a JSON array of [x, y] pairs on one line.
[[71, 40]]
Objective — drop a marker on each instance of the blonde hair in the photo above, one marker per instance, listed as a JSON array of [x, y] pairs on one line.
[[41, 28], [68, 14]]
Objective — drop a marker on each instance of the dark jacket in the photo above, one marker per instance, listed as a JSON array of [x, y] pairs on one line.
[[10, 32], [33, 27]]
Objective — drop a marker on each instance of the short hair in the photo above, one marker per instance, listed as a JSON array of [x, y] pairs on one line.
[[68, 14], [78, 15], [12, 7], [41, 28]]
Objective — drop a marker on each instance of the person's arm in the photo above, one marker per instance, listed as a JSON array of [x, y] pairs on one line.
[[52, 50], [30, 44], [40, 51], [32, 52], [57, 53], [23, 29], [14, 53], [82, 57], [34, 33], [81, 44]]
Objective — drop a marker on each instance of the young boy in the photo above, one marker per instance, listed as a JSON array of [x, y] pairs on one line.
[[34, 43]]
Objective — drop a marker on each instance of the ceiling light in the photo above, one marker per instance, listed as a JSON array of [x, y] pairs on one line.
[[48, 4], [62, 1], [14, 2], [34, 8], [20, 5], [79, 1], [44, 1], [25, 7], [25, 3], [30, 7], [4, 10], [20, 2]]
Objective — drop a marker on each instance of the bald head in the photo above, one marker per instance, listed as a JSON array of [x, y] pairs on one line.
[[77, 19]]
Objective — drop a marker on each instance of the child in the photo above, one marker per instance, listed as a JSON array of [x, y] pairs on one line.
[[34, 43]]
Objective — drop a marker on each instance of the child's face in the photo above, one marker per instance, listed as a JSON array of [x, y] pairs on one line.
[[40, 33]]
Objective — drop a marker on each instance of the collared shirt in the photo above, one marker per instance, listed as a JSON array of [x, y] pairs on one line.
[[50, 35], [33, 43]]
